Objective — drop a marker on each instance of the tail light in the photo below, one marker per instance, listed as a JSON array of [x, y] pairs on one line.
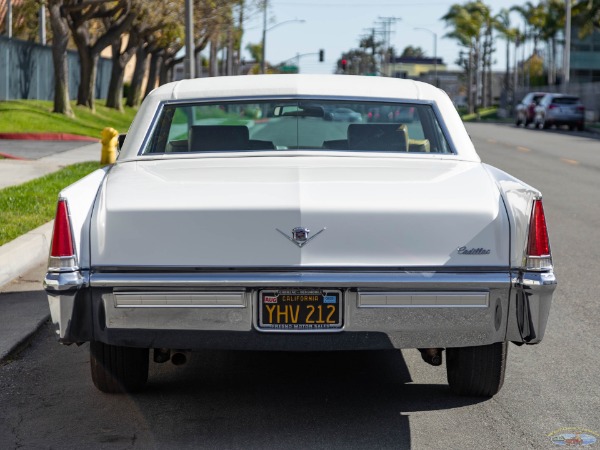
[[552, 107], [581, 108], [62, 251], [538, 248]]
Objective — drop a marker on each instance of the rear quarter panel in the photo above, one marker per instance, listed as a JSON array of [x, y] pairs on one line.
[[518, 198]]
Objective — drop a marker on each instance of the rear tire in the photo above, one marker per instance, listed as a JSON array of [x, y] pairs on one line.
[[476, 371], [117, 369]]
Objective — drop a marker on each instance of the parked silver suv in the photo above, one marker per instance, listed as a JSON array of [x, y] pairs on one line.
[[560, 109]]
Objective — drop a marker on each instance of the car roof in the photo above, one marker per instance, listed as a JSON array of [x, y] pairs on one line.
[[298, 85]]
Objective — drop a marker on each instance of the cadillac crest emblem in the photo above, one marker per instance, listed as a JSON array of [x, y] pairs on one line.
[[300, 236]]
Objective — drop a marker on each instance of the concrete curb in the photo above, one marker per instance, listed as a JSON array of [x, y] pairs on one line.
[[25, 252], [47, 137], [17, 346]]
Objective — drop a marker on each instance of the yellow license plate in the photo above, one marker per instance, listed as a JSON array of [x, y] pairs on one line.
[[300, 309]]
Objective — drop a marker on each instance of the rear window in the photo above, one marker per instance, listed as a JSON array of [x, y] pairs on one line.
[[292, 125], [565, 100]]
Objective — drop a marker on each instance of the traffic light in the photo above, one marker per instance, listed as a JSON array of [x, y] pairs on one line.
[[344, 64], [321, 55]]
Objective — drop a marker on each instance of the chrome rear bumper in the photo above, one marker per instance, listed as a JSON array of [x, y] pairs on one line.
[[381, 309]]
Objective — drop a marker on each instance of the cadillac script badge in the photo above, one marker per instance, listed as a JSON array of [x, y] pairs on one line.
[[300, 235]]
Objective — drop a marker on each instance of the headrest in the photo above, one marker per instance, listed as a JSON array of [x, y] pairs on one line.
[[391, 137], [218, 137]]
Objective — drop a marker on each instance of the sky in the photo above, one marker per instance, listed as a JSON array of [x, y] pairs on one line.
[[337, 26]]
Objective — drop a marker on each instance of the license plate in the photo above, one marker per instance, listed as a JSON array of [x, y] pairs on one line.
[[300, 309]]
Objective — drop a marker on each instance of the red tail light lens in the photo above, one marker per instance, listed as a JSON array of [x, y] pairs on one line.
[[581, 108], [552, 107], [62, 241], [538, 249], [62, 252]]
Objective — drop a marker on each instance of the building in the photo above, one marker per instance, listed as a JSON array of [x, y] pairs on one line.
[[413, 67], [585, 57]]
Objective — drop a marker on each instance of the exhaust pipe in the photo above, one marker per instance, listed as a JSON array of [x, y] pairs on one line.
[[180, 357], [432, 356], [161, 355]]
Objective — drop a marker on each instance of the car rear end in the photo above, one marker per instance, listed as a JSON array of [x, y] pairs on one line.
[[307, 234], [566, 110]]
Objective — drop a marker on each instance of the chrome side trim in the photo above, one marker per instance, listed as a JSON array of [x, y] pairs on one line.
[[423, 299], [431, 281], [233, 299]]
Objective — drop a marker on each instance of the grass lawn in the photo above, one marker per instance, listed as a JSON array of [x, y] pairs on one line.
[[36, 116], [484, 114], [32, 204]]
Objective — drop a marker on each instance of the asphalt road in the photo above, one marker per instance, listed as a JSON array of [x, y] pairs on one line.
[[351, 400]]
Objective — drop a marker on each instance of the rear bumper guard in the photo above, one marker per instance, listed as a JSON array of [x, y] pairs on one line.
[[420, 309]]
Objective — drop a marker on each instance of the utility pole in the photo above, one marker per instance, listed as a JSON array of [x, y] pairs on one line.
[[387, 23], [188, 63], [263, 65], [9, 18], [567, 49], [42, 24]]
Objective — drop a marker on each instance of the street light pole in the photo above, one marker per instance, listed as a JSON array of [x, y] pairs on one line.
[[188, 65], [434, 52], [263, 65]]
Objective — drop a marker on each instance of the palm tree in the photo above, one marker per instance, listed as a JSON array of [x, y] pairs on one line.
[[471, 24], [552, 26], [502, 25], [586, 14]]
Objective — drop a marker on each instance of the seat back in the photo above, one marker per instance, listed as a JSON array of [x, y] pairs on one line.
[[390, 137], [218, 137]]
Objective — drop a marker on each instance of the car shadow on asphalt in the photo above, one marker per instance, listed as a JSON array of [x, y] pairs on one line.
[[348, 399]]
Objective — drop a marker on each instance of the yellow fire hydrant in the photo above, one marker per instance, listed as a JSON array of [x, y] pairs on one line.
[[109, 145]]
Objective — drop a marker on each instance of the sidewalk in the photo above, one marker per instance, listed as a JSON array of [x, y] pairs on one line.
[[23, 304]]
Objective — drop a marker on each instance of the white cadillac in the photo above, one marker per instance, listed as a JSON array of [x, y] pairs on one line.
[[240, 216]]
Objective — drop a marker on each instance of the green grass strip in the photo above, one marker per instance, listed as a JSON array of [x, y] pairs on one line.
[[36, 116], [484, 113], [32, 204]]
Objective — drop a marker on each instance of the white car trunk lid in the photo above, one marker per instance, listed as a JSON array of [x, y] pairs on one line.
[[232, 212]]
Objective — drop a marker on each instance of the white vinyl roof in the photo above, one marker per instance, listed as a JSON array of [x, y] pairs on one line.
[[297, 85]]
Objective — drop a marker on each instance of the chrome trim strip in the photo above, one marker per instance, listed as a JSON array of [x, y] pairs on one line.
[[432, 299], [65, 281], [404, 280], [536, 280], [180, 299]]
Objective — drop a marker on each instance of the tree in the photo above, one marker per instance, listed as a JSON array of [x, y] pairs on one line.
[[94, 26], [358, 62], [552, 25], [470, 23], [412, 52], [586, 15], [60, 41]]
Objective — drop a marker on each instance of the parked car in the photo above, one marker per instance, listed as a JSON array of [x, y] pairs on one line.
[[525, 113], [560, 109], [343, 115], [213, 230]]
